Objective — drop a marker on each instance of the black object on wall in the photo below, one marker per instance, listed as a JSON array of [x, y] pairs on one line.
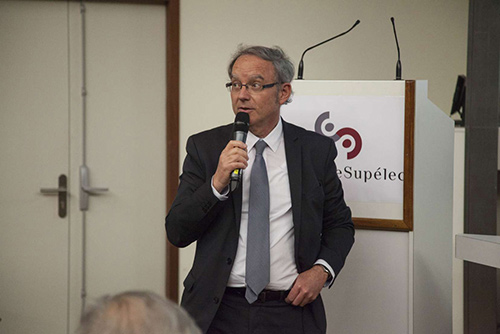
[[458, 103]]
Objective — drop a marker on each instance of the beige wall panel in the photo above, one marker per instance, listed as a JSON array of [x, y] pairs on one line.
[[432, 37]]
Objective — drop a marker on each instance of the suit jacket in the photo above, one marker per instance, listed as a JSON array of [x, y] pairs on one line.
[[322, 222]]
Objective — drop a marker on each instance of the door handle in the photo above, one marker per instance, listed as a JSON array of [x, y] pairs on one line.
[[62, 192], [95, 191], [86, 190]]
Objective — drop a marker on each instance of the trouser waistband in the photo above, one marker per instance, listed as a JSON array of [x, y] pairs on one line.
[[265, 295]]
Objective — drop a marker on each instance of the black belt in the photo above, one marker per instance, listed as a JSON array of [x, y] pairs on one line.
[[265, 295]]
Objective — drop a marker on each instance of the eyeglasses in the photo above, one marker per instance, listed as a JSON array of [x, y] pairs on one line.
[[254, 87]]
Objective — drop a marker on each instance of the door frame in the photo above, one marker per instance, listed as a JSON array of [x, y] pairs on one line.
[[173, 83]]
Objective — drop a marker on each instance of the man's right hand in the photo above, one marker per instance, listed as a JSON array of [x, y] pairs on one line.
[[233, 156]]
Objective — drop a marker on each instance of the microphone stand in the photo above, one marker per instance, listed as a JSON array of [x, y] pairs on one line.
[[301, 64], [398, 63]]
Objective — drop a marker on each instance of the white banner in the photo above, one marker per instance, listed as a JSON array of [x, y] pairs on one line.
[[369, 136]]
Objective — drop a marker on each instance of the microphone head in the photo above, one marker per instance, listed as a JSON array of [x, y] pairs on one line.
[[392, 20], [241, 122], [242, 117]]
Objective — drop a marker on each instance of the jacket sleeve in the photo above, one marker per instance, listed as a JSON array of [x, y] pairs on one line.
[[338, 228], [195, 206]]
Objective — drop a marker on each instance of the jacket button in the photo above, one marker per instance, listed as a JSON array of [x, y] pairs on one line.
[[229, 260], [216, 300]]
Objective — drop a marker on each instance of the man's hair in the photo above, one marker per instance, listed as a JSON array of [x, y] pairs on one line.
[[283, 66], [136, 312]]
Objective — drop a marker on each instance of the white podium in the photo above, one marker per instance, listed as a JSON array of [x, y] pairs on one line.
[[398, 276]]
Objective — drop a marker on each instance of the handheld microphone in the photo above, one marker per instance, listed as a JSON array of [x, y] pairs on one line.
[[398, 64], [240, 131], [300, 72]]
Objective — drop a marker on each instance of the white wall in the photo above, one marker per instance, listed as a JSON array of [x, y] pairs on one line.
[[432, 37], [458, 228]]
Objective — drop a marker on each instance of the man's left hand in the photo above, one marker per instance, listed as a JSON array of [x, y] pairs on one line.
[[307, 286]]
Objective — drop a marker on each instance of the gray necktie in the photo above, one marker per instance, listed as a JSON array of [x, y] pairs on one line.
[[257, 261]]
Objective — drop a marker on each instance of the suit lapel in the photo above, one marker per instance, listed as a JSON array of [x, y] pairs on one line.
[[293, 151]]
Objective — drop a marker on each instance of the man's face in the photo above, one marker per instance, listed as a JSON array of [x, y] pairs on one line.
[[263, 107]]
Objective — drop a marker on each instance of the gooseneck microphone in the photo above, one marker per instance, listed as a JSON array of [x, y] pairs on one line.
[[301, 64], [240, 131], [398, 64]]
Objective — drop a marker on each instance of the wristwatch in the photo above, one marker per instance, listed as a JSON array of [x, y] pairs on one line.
[[325, 269]]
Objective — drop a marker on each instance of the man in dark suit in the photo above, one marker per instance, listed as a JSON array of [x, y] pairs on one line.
[[309, 227]]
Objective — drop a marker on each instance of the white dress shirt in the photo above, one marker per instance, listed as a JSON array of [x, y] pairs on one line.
[[283, 268]]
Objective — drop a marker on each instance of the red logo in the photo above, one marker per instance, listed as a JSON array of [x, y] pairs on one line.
[[350, 138]]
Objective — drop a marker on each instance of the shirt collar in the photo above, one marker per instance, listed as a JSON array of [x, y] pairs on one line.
[[272, 139]]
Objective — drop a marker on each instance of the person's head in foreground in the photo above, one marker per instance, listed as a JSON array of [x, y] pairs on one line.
[[136, 312]]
